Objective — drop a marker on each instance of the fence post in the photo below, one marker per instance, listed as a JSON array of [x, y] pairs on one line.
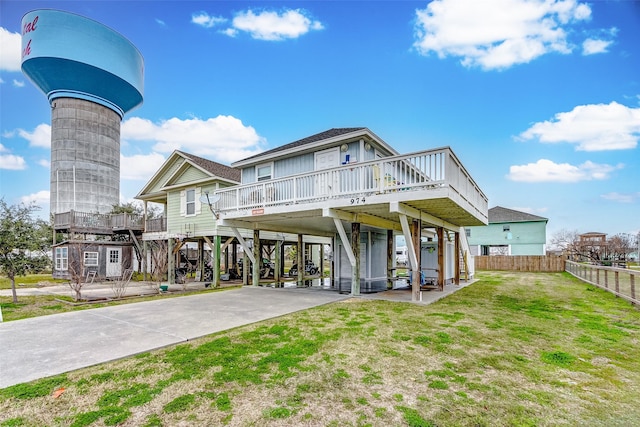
[[598, 277], [606, 280], [633, 287], [617, 283]]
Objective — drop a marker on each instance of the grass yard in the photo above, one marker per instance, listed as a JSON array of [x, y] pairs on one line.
[[514, 349], [29, 281]]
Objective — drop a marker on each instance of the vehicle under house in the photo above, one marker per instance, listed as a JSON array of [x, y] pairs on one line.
[[345, 187]]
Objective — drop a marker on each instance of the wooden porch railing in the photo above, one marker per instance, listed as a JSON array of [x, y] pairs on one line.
[[97, 222], [415, 171], [156, 225]]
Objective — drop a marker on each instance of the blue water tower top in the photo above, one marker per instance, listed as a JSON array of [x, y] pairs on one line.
[[68, 55]]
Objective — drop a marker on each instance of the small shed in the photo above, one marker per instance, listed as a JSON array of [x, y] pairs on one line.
[[78, 258]]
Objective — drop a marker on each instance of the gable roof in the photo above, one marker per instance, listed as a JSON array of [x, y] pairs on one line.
[[214, 168], [500, 214], [331, 136], [331, 133], [175, 163]]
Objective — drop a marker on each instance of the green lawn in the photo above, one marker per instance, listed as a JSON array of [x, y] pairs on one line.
[[29, 281], [513, 349]]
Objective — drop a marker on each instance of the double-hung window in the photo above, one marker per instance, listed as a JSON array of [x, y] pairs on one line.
[[191, 202], [62, 259]]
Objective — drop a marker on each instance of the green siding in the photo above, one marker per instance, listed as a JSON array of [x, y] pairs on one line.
[[525, 238], [190, 175], [197, 225], [162, 179]]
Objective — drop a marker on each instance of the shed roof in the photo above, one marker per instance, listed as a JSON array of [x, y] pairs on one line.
[[499, 214]]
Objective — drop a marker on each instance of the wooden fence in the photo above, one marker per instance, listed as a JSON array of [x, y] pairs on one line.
[[537, 263], [619, 281]]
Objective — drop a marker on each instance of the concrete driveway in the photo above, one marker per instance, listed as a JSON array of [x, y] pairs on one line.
[[49, 345]]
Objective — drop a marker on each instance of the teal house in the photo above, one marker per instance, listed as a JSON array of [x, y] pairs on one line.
[[509, 232]]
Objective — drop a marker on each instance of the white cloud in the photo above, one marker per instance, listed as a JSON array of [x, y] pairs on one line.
[[41, 198], [160, 22], [593, 127], [45, 163], [269, 25], [593, 46], [18, 83], [205, 20], [621, 197], [496, 34], [10, 50], [140, 166], [3, 148], [40, 137], [231, 32], [12, 162], [224, 138], [547, 171]]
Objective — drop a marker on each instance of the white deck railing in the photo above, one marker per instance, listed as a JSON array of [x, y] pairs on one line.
[[416, 171]]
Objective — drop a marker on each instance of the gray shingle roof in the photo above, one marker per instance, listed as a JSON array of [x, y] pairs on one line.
[[500, 214], [331, 133], [218, 169]]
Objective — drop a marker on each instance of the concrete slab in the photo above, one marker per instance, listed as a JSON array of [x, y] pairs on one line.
[[49, 345]]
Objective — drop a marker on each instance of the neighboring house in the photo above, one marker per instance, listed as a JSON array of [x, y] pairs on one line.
[[180, 186], [509, 232], [591, 246]]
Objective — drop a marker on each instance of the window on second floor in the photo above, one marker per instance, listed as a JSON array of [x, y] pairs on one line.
[[468, 232], [506, 228], [191, 202], [263, 172]]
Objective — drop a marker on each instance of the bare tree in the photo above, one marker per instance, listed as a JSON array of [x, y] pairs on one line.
[[120, 285], [80, 274], [565, 240], [159, 250], [620, 246]]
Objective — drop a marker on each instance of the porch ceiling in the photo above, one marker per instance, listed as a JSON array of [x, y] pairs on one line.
[[436, 208]]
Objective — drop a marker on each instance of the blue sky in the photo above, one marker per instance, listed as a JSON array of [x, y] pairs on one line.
[[540, 100]]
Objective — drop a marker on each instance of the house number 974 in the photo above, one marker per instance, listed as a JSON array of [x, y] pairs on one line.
[[357, 200]]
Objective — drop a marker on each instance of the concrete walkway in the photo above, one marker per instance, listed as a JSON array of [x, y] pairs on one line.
[[49, 345]]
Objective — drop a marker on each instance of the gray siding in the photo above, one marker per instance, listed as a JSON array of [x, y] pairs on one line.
[[293, 165], [249, 175]]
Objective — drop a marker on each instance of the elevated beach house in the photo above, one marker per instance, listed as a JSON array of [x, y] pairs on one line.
[[349, 186]]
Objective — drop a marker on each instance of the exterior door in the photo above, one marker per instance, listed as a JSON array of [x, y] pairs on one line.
[[114, 262], [325, 160]]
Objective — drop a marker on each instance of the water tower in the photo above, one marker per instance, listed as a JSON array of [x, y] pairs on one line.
[[92, 76]]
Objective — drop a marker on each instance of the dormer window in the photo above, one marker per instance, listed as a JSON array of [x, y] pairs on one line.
[[263, 172]]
